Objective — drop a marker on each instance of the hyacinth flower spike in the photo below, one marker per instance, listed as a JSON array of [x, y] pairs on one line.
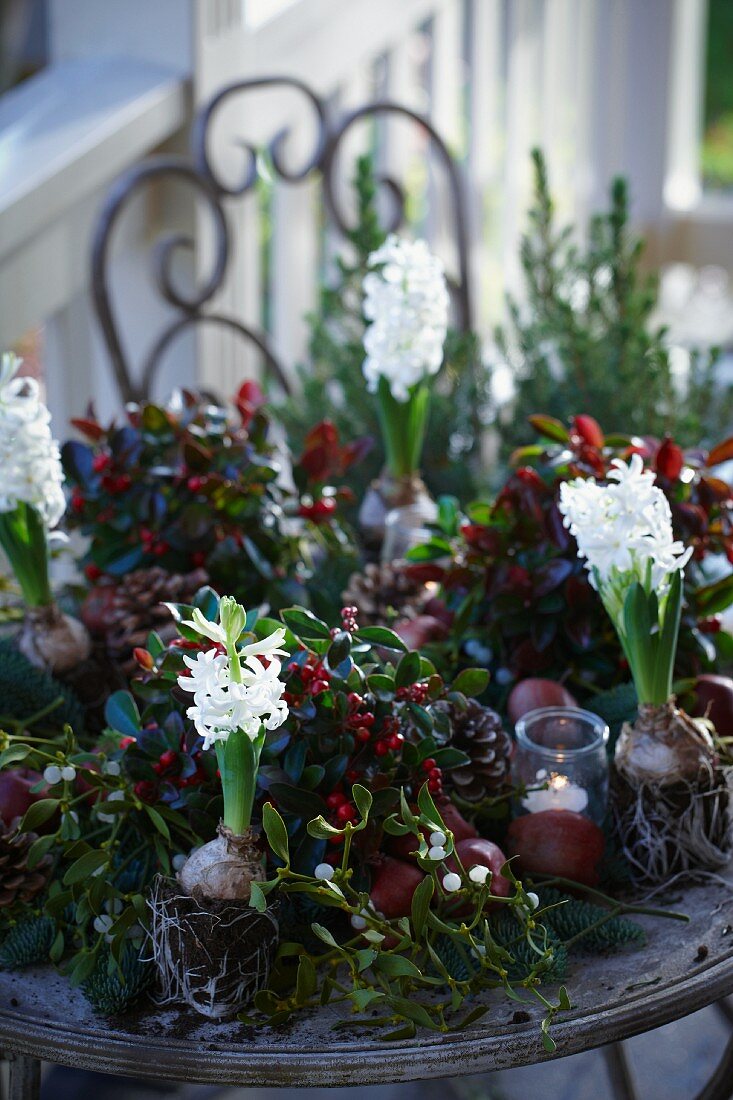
[[237, 696], [32, 503], [406, 307]]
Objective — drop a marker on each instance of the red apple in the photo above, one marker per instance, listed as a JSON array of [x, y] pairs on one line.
[[478, 850], [15, 792], [532, 693], [454, 820], [557, 842], [393, 883], [403, 847], [423, 628], [97, 607], [714, 697]]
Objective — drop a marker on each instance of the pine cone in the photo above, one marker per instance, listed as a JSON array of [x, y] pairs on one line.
[[138, 608], [384, 593], [478, 732], [18, 883]]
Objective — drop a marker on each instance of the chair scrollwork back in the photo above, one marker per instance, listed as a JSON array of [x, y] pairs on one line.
[[199, 173]]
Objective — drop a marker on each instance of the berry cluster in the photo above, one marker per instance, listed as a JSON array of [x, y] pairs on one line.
[[318, 511], [348, 619], [314, 677], [434, 774], [415, 693]]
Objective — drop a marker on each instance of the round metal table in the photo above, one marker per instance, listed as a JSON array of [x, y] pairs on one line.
[[682, 968]]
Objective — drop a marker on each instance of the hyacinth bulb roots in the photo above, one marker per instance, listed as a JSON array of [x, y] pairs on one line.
[[673, 828], [212, 955]]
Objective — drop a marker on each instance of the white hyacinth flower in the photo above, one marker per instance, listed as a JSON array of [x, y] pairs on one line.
[[29, 456], [406, 302], [222, 704], [623, 530]]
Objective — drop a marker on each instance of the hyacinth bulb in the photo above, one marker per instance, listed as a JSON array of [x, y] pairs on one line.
[[52, 640], [225, 868], [664, 746]]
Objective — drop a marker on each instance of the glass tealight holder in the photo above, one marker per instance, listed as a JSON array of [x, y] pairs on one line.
[[560, 760]]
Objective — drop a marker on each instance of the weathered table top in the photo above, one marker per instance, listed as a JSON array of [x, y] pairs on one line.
[[682, 968]]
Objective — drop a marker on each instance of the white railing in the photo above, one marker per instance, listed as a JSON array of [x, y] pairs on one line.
[[587, 79]]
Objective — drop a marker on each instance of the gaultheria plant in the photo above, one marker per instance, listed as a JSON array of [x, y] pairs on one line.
[[406, 307], [237, 696], [31, 503]]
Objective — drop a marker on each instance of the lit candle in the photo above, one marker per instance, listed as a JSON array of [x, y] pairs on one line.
[[560, 794]]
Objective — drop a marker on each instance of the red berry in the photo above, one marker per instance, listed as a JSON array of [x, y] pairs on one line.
[[435, 773], [352, 775], [335, 799], [146, 791], [325, 507], [195, 484], [345, 812], [362, 734], [77, 501], [122, 483], [92, 572], [395, 741], [319, 686], [160, 548], [338, 839], [100, 462], [127, 741], [198, 558], [354, 700], [381, 748], [428, 765], [434, 785], [168, 758]]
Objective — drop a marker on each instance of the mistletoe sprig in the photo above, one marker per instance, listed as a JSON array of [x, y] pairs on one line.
[[406, 967], [105, 845]]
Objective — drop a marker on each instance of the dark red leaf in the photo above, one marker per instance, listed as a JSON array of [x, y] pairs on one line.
[[721, 453]]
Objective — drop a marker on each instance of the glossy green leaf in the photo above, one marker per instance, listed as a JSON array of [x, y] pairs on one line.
[[275, 831]]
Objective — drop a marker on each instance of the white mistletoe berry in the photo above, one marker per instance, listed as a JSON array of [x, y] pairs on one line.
[[451, 882], [479, 874]]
